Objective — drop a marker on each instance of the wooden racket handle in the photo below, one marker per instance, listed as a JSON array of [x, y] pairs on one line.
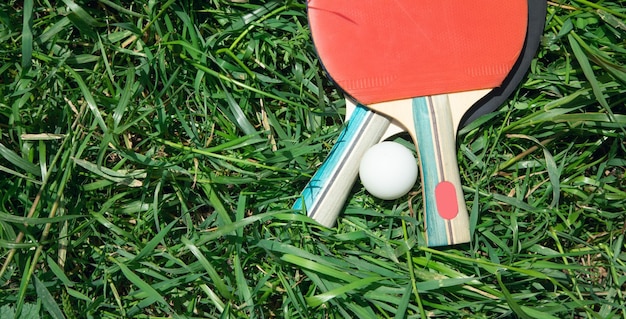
[[445, 212], [325, 195]]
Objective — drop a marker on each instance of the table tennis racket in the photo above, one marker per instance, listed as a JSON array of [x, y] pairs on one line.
[[455, 56], [324, 196]]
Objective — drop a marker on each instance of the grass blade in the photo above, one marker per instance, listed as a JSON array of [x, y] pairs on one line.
[[16, 160], [48, 301], [27, 36]]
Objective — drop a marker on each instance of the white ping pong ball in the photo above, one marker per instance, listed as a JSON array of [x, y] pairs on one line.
[[388, 170]]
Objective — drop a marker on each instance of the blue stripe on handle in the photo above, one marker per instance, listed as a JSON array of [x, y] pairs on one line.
[[316, 190], [422, 119]]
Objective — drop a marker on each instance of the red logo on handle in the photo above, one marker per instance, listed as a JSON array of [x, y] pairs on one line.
[[445, 196]]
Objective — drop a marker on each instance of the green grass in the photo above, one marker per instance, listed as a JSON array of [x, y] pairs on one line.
[[150, 152]]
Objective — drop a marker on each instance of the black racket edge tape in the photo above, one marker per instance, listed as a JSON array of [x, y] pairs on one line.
[[537, 10]]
